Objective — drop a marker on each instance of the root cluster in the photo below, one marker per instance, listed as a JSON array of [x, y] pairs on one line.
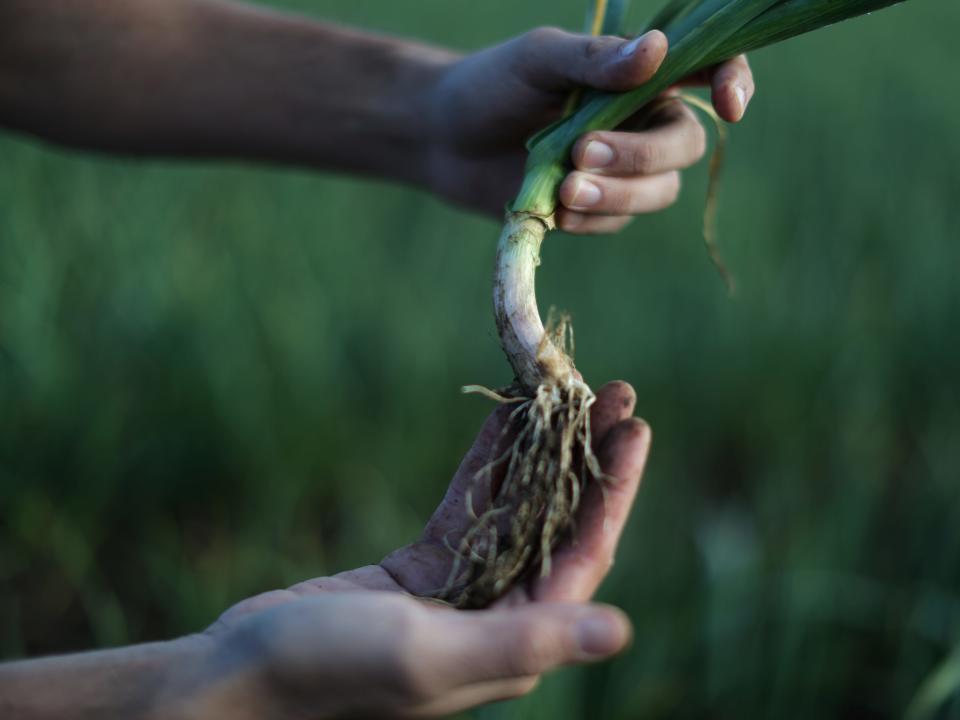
[[544, 471]]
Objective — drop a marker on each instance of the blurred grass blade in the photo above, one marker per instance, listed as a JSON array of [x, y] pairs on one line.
[[937, 690], [604, 17], [701, 33], [596, 12], [615, 17], [698, 15], [712, 204], [789, 19], [672, 11]]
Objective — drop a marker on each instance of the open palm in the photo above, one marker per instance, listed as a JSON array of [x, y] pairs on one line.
[[362, 641]]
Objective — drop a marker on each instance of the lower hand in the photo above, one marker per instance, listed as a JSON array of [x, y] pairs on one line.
[[361, 643], [486, 105]]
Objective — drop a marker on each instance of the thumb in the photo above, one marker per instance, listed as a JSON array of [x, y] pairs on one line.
[[555, 60], [528, 640]]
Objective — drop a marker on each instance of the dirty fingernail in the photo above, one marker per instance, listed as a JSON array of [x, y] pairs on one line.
[[597, 155], [629, 48], [585, 194]]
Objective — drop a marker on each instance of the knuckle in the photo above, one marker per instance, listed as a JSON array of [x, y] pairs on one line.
[[644, 157], [594, 47], [620, 202], [536, 39], [533, 652], [592, 70]]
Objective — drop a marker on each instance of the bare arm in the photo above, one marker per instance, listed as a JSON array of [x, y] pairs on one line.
[[132, 682], [221, 79], [358, 644], [212, 78]]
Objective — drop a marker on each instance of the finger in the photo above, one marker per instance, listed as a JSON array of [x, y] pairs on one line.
[[587, 193], [677, 143], [524, 641], [555, 60], [580, 566], [422, 567], [577, 223], [732, 88], [494, 437], [473, 695], [615, 402]]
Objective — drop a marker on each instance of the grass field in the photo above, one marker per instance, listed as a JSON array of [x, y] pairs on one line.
[[206, 390]]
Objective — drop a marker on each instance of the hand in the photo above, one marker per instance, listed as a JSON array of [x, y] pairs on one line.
[[359, 643], [486, 105]]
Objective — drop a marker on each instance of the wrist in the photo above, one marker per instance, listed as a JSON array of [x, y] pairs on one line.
[[309, 93], [179, 689], [410, 107], [202, 679]]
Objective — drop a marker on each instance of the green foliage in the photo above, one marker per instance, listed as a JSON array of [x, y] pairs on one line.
[[614, 19], [701, 33], [206, 390]]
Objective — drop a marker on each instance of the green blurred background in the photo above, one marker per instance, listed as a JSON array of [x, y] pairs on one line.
[[217, 379]]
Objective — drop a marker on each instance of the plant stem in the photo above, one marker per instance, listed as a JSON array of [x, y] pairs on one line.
[[515, 304], [700, 33]]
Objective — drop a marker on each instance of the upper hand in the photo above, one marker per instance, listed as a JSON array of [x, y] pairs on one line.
[[486, 105], [361, 643]]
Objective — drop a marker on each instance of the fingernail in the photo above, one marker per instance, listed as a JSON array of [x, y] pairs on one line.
[[600, 634], [631, 47], [741, 98], [597, 155], [585, 195]]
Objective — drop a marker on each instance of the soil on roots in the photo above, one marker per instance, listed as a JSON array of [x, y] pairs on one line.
[[544, 471]]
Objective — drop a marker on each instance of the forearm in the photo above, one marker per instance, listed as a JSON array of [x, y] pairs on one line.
[[212, 78], [125, 682], [185, 679]]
